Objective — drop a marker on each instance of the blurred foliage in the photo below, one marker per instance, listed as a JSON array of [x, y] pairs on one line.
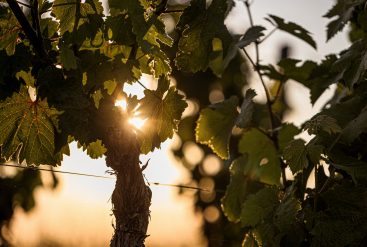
[[200, 88], [244, 208], [17, 191]]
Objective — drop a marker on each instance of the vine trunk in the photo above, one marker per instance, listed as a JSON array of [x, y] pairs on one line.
[[131, 197]]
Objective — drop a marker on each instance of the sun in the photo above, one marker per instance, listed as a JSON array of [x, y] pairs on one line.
[[135, 121], [121, 103]]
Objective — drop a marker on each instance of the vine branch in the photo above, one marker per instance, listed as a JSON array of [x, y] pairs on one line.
[[24, 4], [315, 201], [28, 30], [36, 21], [256, 66], [77, 16]]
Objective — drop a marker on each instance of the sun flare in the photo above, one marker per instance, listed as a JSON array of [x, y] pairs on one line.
[[137, 122], [121, 103]]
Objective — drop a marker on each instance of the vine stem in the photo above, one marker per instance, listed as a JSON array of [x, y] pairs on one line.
[[77, 16], [316, 189], [279, 89], [173, 11], [142, 85], [268, 35], [256, 66]]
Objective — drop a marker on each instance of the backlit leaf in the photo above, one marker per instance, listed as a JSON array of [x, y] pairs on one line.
[[29, 128], [9, 30], [199, 27], [217, 135], [148, 27], [26, 76], [249, 241], [263, 161], [65, 12], [162, 114], [96, 149], [67, 57]]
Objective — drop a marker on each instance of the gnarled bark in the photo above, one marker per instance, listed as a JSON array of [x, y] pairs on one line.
[[131, 197]]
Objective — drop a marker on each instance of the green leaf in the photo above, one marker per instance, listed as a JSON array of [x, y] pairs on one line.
[[259, 206], [110, 86], [9, 30], [48, 27], [352, 64], [162, 113], [343, 10], [321, 77], [28, 128], [119, 29], [96, 149], [286, 213], [26, 76], [67, 57], [199, 27], [160, 64], [247, 109], [291, 68], [293, 29], [249, 241], [347, 109], [286, 134], [266, 235], [355, 167], [355, 127], [343, 220], [314, 152], [148, 27], [186, 129], [65, 12], [216, 57], [322, 123], [97, 96], [295, 155], [63, 94], [252, 34], [236, 190], [316, 77], [217, 135], [263, 161]]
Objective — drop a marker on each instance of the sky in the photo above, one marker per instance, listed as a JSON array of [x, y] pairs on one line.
[[79, 211]]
